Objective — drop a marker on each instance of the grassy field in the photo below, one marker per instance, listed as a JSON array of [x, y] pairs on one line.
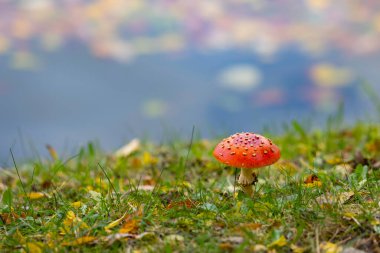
[[322, 196]]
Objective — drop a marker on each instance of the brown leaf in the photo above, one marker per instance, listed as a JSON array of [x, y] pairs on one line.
[[119, 236], [225, 246], [80, 241], [7, 218], [251, 226], [188, 203]]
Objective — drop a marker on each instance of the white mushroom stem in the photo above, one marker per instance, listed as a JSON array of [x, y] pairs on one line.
[[246, 179]]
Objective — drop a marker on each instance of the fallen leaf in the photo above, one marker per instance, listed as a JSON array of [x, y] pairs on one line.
[[350, 216], [35, 195], [33, 247], [280, 242], [352, 250], [173, 239], [329, 199], [97, 196], [7, 218], [314, 184], [233, 239], [311, 178], [130, 226], [115, 223], [76, 204], [225, 246], [148, 180], [297, 249], [251, 226], [145, 188], [70, 222], [343, 169], [333, 159], [79, 241], [312, 181], [128, 149], [188, 203], [52, 152], [126, 218], [148, 159], [259, 248], [329, 247], [110, 239], [19, 237]]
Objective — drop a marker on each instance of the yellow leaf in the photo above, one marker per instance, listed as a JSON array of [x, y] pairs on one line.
[[36, 195], [297, 249], [280, 242], [71, 221], [313, 184], [251, 226], [350, 216], [76, 204], [148, 159], [33, 247], [115, 223], [50, 240], [19, 237], [328, 247], [80, 241], [52, 152], [186, 184]]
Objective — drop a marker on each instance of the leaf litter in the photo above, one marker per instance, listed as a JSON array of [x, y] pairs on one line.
[[158, 204]]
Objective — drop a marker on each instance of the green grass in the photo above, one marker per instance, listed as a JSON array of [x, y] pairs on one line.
[[174, 202]]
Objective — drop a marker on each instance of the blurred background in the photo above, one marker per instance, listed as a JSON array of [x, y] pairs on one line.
[[75, 71]]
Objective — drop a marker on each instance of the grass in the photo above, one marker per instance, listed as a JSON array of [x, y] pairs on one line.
[[322, 196]]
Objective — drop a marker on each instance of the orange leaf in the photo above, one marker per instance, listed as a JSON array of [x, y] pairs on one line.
[[310, 179], [130, 226], [251, 226], [225, 246], [8, 218], [187, 203]]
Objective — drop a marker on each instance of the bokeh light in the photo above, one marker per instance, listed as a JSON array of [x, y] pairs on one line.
[[74, 71]]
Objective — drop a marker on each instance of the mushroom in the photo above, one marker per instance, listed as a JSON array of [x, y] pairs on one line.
[[247, 151]]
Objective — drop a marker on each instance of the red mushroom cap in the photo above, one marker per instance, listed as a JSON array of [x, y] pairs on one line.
[[247, 150]]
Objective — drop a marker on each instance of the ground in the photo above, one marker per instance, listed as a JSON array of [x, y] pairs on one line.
[[322, 196]]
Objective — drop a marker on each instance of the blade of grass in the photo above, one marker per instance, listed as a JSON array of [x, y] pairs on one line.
[[111, 184], [22, 183]]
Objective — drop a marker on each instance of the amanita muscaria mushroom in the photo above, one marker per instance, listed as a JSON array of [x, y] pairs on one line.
[[247, 151]]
